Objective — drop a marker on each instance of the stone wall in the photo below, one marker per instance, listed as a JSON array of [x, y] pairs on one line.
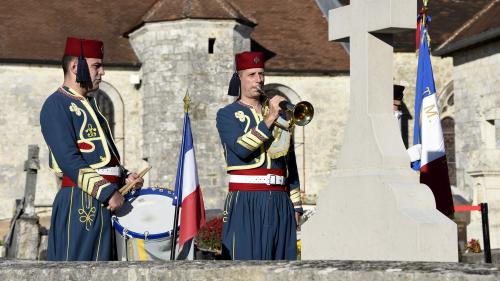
[[247, 270], [24, 89], [405, 73], [476, 76], [152, 121], [175, 58]]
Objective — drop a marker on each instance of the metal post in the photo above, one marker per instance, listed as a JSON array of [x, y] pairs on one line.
[[178, 180], [304, 159], [174, 230], [486, 232]]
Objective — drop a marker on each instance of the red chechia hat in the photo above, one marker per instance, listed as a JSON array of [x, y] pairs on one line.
[[82, 47], [248, 60]]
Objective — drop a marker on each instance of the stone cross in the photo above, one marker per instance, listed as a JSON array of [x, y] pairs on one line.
[[375, 208], [31, 167], [369, 25], [24, 237]]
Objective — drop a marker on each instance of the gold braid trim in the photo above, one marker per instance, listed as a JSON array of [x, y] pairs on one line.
[[295, 198], [252, 140], [244, 144], [91, 182]]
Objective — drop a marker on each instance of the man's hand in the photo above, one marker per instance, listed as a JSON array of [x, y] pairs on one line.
[[274, 110], [297, 219], [132, 177], [116, 201]]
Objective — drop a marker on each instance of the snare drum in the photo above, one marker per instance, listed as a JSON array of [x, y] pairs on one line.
[[144, 225]]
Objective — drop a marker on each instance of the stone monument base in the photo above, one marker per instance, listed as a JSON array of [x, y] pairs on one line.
[[374, 215], [25, 239]]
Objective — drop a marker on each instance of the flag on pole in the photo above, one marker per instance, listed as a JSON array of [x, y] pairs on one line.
[[428, 132], [187, 188]]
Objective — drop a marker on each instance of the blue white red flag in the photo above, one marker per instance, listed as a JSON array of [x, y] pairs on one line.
[[187, 188], [428, 132]]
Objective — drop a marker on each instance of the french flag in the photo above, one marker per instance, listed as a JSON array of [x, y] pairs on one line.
[[187, 188], [428, 132]]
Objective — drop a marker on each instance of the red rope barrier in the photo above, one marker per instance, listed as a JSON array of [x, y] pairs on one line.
[[467, 208]]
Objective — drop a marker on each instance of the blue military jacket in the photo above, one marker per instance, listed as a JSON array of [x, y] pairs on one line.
[[249, 144], [79, 140]]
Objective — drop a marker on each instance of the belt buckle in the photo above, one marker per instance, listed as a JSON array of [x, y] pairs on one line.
[[271, 179]]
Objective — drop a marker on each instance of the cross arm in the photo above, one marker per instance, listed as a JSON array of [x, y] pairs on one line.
[[376, 16], [339, 20]]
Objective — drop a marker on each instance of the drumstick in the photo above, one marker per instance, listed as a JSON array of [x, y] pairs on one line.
[[126, 188]]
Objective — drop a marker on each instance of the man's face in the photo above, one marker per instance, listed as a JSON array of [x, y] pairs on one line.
[[251, 80], [396, 109], [96, 70], [396, 105]]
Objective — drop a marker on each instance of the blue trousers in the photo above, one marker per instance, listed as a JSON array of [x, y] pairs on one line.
[[259, 225]]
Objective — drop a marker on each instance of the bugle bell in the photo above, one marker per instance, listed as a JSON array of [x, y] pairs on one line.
[[301, 113]]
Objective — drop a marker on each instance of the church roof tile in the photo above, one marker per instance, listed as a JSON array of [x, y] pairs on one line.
[[167, 10], [482, 27], [292, 33]]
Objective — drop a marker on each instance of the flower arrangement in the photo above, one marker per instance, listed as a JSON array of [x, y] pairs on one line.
[[210, 235], [473, 246]]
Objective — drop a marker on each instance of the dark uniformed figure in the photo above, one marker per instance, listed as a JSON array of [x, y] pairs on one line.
[[397, 103], [263, 203], [82, 149]]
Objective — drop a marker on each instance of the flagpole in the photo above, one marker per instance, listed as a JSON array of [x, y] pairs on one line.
[[177, 197]]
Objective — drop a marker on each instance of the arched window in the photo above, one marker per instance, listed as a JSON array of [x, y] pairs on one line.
[[106, 107], [111, 105], [299, 133], [446, 105]]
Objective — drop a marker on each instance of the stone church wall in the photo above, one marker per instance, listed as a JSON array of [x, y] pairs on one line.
[[148, 117], [176, 59], [28, 86], [24, 89], [476, 76]]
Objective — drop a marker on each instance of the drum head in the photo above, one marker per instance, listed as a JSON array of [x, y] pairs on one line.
[[146, 214]]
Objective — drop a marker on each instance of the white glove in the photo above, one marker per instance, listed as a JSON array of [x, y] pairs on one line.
[[415, 152]]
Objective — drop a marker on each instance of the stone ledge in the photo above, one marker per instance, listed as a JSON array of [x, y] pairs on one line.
[[246, 270], [479, 257]]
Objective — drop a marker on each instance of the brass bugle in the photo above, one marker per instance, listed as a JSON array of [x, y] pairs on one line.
[[301, 113]]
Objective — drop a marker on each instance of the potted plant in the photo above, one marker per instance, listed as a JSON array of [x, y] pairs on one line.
[[208, 242]]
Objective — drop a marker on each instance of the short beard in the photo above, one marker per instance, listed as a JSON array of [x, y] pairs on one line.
[[89, 86]]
